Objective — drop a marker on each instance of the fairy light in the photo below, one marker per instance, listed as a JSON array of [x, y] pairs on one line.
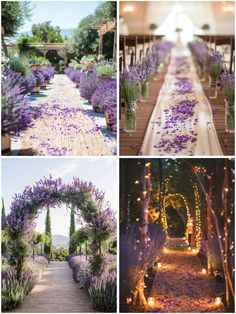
[[136, 182], [128, 300], [204, 271]]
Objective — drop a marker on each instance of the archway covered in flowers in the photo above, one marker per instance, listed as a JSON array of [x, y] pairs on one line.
[[88, 204]]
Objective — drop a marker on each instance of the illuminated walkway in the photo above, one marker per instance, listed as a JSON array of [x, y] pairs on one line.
[[179, 285]]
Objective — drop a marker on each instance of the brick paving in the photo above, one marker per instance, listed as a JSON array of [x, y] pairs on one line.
[[179, 285], [56, 292], [56, 133]]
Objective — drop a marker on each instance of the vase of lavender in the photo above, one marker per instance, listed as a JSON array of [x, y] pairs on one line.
[[144, 91], [214, 68], [144, 71], [227, 82], [130, 92]]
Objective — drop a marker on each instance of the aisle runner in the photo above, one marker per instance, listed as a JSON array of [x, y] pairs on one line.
[[181, 122]]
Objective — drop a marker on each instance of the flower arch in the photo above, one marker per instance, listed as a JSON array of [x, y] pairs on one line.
[[87, 201]]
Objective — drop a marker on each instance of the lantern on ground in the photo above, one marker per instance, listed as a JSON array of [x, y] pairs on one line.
[[128, 300], [151, 301], [218, 301]]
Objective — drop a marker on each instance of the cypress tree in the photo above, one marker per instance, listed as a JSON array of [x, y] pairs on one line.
[[48, 244], [3, 218], [72, 249]]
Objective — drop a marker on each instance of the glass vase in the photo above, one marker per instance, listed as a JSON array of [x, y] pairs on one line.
[[229, 116], [212, 88], [201, 73], [130, 117], [144, 92]]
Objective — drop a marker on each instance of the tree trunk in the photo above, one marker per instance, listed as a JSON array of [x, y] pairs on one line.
[[4, 47]]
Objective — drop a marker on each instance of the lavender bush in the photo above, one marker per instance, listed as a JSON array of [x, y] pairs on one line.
[[17, 116], [103, 293], [39, 77], [14, 290], [89, 83]]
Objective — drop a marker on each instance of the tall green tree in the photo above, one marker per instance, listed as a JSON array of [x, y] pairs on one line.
[[72, 231], [14, 16], [3, 214], [48, 233]]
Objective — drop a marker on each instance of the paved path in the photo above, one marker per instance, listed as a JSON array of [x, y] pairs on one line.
[[64, 128], [56, 292], [179, 286]]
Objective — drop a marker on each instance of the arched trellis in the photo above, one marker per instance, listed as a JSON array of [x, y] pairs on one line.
[[87, 201], [171, 196]]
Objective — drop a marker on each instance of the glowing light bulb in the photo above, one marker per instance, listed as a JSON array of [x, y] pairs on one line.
[[204, 271], [138, 199], [159, 265], [136, 182], [137, 219]]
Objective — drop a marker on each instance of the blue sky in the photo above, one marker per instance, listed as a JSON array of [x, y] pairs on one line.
[[65, 14], [19, 172]]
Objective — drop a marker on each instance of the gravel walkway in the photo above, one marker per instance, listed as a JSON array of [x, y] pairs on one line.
[[64, 128]]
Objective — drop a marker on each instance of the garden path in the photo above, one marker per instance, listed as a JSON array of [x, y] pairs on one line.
[[56, 292], [179, 285], [65, 127]]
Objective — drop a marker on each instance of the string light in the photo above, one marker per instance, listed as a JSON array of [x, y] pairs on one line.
[[136, 182], [218, 301], [151, 301]]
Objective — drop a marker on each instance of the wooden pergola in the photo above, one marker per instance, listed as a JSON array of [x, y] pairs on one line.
[[43, 47], [103, 28]]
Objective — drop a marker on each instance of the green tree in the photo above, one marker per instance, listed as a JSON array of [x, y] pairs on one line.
[[46, 33], [72, 230], [79, 238], [3, 214], [85, 38], [48, 233], [14, 15], [106, 11]]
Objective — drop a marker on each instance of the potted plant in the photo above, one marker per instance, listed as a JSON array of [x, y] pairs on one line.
[[18, 65], [227, 82], [109, 103], [88, 63], [39, 80], [105, 71], [17, 116]]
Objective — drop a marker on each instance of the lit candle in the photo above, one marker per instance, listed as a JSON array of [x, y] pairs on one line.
[[151, 301], [204, 271], [128, 301], [159, 265], [218, 301]]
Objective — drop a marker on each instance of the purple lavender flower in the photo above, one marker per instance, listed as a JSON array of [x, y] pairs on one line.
[[17, 116]]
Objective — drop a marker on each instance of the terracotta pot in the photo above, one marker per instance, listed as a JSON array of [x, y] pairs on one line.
[[109, 124], [6, 143], [36, 89], [33, 67], [97, 109], [105, 77]]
